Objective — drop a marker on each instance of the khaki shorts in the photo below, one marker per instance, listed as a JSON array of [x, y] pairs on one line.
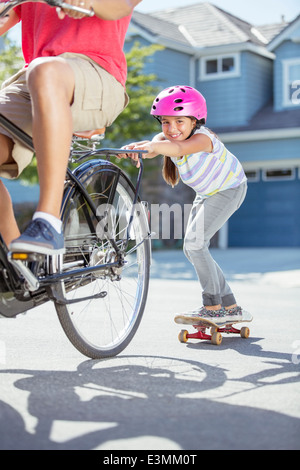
[[98, 99]]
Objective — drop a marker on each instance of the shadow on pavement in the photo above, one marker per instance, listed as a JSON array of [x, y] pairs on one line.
[[125, 399]]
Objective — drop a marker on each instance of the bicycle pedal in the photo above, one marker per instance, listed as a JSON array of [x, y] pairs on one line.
[[21, 267], [19, 256]]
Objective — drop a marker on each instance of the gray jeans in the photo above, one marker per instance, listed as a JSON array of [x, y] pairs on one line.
[[206, 218]]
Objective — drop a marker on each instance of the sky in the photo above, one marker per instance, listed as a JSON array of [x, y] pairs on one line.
[[256, 12]]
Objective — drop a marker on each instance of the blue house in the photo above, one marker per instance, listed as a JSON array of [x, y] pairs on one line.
[[250, 77]]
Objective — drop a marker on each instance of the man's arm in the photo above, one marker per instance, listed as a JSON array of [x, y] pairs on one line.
[[114, 9], [10, 20], [104, 9]]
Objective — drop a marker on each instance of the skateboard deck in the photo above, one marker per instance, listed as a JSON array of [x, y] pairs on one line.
[[217, 327], [195, 320]]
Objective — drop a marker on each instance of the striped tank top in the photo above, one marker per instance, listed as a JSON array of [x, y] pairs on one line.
[[209, 173]]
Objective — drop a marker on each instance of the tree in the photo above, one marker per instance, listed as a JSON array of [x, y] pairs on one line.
[[135, 122], [11, 59]]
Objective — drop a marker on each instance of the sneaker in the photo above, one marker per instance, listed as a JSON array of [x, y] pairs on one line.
[[212, 314], [206, 313], [234, 314], [39, 237]]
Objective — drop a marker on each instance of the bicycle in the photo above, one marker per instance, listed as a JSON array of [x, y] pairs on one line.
[[99, 286]]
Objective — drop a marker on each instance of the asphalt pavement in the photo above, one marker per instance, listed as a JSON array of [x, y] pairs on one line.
[[160, 394]]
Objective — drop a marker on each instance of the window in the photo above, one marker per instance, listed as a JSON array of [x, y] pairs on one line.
[[291, 82], [281, 174], [212, 68], [252, 176]]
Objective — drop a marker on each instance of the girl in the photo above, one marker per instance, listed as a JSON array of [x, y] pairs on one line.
[[195, 154]]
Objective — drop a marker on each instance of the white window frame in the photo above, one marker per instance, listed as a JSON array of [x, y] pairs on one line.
[[236, 72], [295, 101], [279, 178]]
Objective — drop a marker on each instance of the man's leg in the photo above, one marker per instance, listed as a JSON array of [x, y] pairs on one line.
[[51, 84], [8, 225]]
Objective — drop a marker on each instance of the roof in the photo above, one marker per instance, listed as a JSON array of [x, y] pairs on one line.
[[267, 118], [159, 27], [286, 34], [270, 31], [204, 25]]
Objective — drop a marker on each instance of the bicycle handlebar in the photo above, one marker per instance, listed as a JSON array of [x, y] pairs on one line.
[[53, 3]]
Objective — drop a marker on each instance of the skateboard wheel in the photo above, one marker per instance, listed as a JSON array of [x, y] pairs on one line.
[[216, 338], [245, 332], [183, 336], [213, 330]]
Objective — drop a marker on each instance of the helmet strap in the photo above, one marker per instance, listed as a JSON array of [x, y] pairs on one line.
[[199, 123]]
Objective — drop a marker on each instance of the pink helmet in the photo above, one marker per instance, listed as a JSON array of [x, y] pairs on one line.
[[180, 101]]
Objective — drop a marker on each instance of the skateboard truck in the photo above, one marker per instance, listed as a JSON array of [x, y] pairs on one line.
[[215, 337]]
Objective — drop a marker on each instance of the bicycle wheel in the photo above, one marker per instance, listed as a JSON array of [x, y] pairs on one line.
[[112, 301]]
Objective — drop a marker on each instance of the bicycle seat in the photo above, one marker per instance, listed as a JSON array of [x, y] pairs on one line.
[[90, 134]]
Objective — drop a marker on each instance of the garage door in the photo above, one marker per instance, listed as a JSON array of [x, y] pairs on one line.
[[270, 214]]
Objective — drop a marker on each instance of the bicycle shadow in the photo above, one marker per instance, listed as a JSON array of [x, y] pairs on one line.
[[282, 369], [128, 401]]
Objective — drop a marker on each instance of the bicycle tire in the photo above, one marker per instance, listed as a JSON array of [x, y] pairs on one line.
[[103, 327]]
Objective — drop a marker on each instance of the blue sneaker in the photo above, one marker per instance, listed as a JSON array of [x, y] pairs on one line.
[[39, 237]]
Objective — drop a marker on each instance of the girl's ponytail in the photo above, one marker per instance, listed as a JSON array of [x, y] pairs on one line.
[[170, 172]]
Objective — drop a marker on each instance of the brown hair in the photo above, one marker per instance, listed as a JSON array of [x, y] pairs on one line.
[[170, 172]]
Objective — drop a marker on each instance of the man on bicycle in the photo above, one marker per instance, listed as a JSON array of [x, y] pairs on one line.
[[73, 80]]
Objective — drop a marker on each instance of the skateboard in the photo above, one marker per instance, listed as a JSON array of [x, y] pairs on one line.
[[216, 328]]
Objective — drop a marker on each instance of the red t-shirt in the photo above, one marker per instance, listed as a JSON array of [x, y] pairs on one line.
[[44, 34]]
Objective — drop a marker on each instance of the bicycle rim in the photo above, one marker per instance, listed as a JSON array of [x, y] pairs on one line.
[[104, 323]]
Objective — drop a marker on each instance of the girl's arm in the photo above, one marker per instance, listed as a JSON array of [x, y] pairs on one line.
[[159, 137], [159, 145], [196, 143], [134, 145]]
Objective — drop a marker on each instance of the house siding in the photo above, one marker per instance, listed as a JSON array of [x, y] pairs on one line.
[[233, 101], [170, 66], [225, 101], [258, 82], [267, 151]]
